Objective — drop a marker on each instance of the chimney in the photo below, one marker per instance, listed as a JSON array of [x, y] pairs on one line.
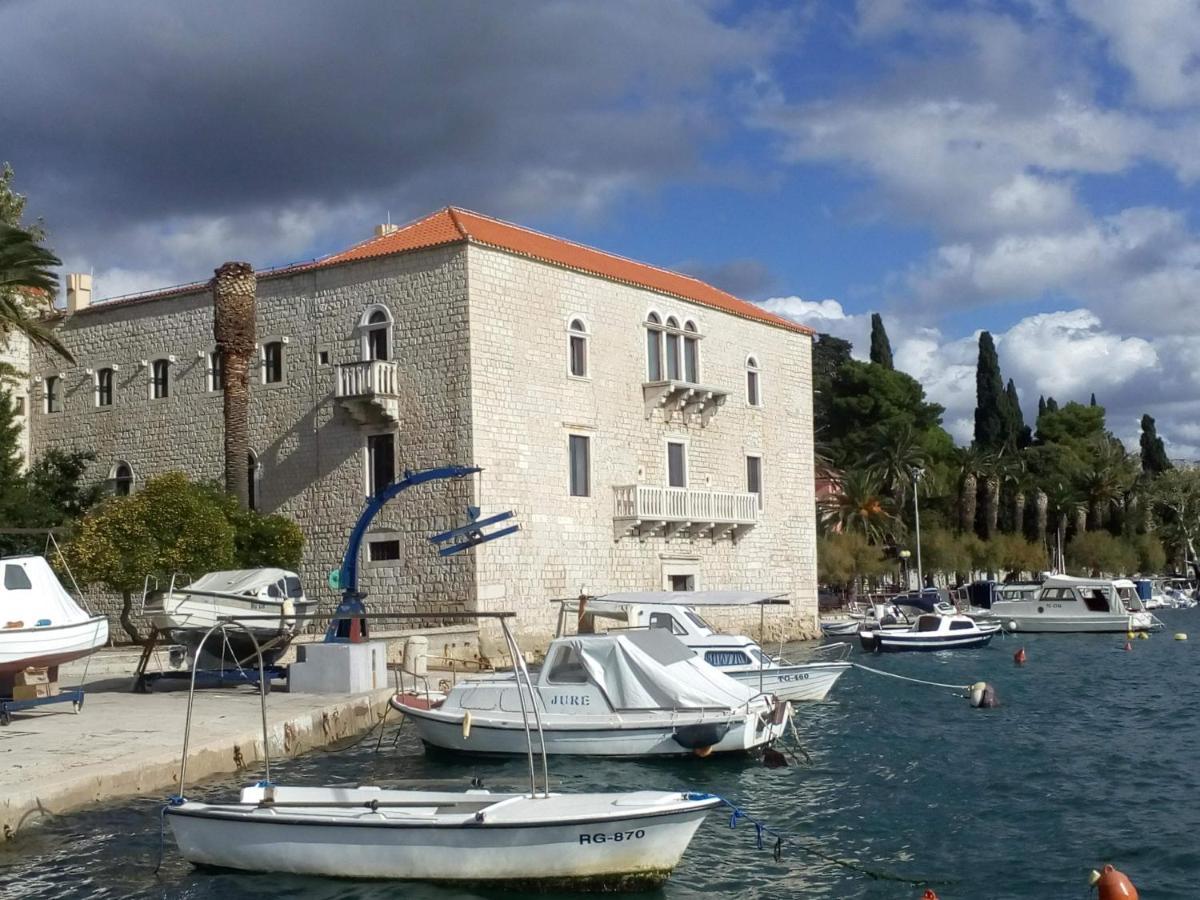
[[79, 291], [385, 230]]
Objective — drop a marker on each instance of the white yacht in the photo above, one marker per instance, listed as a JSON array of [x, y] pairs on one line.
[[635, 693], [736, 655], [1067, 604]]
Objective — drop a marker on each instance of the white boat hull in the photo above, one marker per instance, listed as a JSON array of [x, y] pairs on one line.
[[615, 841], [50, 645], [1090, 624], [800, 683], [639, 736]]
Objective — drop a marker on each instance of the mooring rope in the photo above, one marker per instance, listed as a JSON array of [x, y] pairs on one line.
[[762, 829], [938, 684]]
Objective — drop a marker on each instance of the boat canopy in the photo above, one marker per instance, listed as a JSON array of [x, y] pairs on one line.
[[652, 670], [248, 582], [31, 593], [682, 598]]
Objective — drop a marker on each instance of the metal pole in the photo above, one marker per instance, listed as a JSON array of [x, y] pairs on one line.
[[917, 473]]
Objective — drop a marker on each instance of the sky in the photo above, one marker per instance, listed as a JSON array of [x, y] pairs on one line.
[[1027, 167]]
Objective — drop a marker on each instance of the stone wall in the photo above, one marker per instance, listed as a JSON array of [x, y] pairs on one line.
[[310, 451], [525, 405]]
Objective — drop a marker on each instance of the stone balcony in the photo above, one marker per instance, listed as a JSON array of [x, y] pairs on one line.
[[682, 398], [369, 390], [645, 510]]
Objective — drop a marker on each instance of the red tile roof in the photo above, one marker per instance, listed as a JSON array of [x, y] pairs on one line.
[[453, 226]]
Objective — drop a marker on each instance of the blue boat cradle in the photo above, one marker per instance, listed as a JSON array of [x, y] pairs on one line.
[[349, 622]]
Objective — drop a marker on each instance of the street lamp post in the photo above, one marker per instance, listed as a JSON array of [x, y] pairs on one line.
[[917, 475]]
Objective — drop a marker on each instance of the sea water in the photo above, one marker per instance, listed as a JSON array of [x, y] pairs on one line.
[[1092, 757]]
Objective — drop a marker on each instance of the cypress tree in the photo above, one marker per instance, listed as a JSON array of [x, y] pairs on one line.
[[992, 424], [1051, 405], [1020, 434], [1041, 405], [1093, 403], [881, 347], [1154, 454]]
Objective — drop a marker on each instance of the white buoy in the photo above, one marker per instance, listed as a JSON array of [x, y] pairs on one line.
[[1012, 626], [1180, 636]]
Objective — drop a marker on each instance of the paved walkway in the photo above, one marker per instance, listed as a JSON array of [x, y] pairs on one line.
[[123, 744]]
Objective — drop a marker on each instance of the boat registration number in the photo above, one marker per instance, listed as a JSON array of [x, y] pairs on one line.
[[800, 676], [615, 837]]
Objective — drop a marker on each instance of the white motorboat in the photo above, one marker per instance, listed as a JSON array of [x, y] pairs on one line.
[[636, 693], [1179, 593], [41, 625], [887, 615], [737, 656], [268, 602], [1068, 604], [942, 630], [523, 841]]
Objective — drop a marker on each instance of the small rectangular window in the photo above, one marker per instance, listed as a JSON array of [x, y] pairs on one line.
[[754, 477], [160, 379], [381, 462], [216, 371], [752, 392], [323, 357], [53, 395], [580, 450], [104, 387], [273, 362], [579, 356], [383, 551], [676, 464]]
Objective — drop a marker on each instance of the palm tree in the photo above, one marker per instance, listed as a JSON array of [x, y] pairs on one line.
[[1106, 479], [1064, 502], [899, 453], [233, 288], [27, 273], [859, 505], [970, 463], [1041, 503], [993, 469]]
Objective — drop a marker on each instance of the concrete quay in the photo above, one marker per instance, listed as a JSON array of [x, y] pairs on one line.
[[123, 744]]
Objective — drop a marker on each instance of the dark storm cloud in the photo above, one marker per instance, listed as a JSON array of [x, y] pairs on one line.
[[119, 115]]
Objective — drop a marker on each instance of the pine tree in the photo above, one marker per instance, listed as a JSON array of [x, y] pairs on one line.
[[991, 422], [1154, 454], [881, 347]]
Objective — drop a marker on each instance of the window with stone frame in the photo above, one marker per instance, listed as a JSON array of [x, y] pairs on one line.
[[104, 387], [672, 338], [381, 462], [577, 348], [579, 452], [272, 362], [754, 476], [691, 353], [216, 372], [53, 390], [654, 348], [753, 384], [160, 379]]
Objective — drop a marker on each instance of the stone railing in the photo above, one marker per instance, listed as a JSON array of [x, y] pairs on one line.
[[369, 378], [645, 507]]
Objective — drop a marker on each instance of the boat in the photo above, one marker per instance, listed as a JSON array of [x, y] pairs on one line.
[[736, 655], [942, 630], [1179, 592], [894, 614], [978, 598], [41, 625], [1068, 604], [521, 841], [268, 602], [635, 693]]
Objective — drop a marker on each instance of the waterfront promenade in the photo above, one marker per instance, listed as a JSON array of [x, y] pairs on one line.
[[123, 744]]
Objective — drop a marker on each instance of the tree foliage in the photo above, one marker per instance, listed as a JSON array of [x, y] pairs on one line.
[[1154, 454], [1097, 553], [845, 557], [881, 347], [993, 421]]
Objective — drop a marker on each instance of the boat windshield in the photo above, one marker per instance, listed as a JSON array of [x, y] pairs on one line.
[[696, 620], [929, 623]]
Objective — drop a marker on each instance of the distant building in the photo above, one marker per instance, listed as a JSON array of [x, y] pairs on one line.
[[648, 430]]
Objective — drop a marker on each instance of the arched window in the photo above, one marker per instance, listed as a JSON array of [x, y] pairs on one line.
[[375, 327], [753, 388], [672, 337], [160, 379], [654, 339], [253, 476], [691, 353], [577, 348], [104, 387], [121, 478]]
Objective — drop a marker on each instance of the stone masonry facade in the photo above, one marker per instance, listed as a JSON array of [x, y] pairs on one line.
[[479, 341]]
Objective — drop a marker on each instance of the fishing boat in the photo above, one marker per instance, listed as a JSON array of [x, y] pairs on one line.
[[736, 655], [1068, 604], [636, 693], [525, 841], [41, 625], [942, 630], [892, 614], [267, 601]]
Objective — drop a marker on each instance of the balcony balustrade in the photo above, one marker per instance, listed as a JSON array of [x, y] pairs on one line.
[[648, 510], [369, 390]]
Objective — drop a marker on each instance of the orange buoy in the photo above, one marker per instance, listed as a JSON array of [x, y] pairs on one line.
[[1019, 657], [929, 895], [1111, 884]]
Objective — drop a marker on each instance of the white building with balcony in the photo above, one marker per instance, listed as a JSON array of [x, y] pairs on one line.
[[648, 430]]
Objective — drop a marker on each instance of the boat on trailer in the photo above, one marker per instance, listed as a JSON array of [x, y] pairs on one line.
[[537, 840], [942, 630], [635, 693], [736, 655]]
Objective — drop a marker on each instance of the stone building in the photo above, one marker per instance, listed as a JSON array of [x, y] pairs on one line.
[[648, 430]]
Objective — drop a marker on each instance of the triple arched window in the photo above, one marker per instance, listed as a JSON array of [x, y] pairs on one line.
[[672, 349]]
